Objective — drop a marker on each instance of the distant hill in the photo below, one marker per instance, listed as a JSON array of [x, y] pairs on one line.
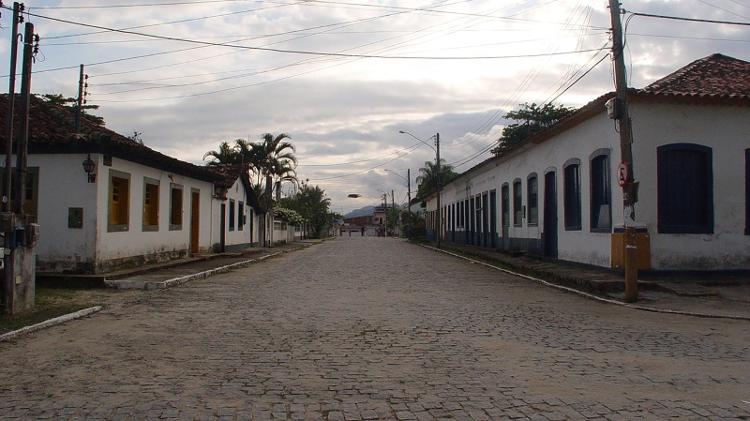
[[366, 211]]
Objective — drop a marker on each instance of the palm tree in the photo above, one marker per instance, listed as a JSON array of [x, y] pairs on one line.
[[276, 160], [429, 179], [225, 155]]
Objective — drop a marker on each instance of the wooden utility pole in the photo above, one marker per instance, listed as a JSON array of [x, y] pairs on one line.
[[408, 188], [439, 188], [630, 187], [79, 107], [22, 146], [8, 185]]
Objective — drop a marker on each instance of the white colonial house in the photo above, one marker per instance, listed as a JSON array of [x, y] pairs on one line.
[[235, 213], [105, 202], [556, 194]]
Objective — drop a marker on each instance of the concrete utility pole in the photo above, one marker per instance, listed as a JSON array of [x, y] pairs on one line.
[[630, 187], [439, 188], [20, 234], [8, 185]]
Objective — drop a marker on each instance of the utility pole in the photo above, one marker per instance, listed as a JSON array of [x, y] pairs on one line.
[[8, 185], [385, 214], [23, 135], [20, 234], [79, 107], [393, 206], [439, 188], [408, 188], [629, 186]]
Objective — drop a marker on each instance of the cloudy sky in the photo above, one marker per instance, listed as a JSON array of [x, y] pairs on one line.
[[448, 66]]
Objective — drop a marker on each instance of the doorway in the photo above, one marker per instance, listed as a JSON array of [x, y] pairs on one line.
[[195, 221], [550, 215]]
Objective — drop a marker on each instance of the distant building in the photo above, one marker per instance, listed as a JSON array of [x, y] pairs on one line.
[[556, 194]]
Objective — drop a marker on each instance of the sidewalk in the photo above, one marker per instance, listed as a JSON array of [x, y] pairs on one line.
[[712, 294], [172, 273]]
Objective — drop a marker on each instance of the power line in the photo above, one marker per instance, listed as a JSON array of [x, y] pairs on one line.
[[304, 52], [335, 24], [723, 22], [123, 6], [409, 150], [151, 25]]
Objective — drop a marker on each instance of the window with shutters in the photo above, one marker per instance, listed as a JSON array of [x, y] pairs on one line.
[[175, 207], [747, 191], [240, 215], [118, 213], [685, 189], [231, 214], [532, 199], [601, 193], [572, 195], [517, 203], [150, 204]]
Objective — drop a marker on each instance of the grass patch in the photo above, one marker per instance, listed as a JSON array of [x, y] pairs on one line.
[[50, 303]]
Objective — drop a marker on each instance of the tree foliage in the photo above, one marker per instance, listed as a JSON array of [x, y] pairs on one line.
[[429, 178], [71, 104], [312, 203], [269, 162], [529, 119]]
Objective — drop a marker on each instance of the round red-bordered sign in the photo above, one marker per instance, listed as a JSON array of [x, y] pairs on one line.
[[622, 174]]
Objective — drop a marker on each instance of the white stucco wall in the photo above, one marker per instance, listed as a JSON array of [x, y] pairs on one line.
[[135, 241], [579, 142], [726, 130], [238, 194], [62, 185]]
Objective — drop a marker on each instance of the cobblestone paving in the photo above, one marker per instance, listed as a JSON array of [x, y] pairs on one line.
[[369, 328]]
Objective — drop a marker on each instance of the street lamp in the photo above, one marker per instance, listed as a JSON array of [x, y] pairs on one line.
[[436, 148]]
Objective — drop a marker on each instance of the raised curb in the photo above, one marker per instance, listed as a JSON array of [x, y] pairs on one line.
[[49, 323], [199, 275], [590, 296]]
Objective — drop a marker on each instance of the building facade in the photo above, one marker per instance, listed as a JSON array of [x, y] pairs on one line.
[[556, 194]]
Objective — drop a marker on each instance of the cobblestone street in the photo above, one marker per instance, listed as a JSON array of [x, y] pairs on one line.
[[372, 328]]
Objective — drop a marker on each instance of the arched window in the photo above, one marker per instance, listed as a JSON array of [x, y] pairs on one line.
[[532, 199], [601, 192], [685, 189], [572, 194], [517, 203], [505, 202]]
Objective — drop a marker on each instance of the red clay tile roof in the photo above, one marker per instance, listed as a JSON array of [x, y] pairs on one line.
[[716, 79], [51, 130], [716, 76]]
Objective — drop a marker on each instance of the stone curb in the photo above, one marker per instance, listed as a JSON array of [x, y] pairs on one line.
[[588, 295], [49, 323], [205, 274]]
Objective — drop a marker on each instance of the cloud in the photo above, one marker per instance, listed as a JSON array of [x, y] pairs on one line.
[[341, 110]]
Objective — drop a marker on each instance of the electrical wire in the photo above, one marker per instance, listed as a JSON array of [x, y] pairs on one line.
[[123, 6], [305, 52], [680, 18]]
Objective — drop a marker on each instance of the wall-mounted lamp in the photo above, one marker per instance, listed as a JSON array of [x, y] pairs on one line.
[[90, 167]]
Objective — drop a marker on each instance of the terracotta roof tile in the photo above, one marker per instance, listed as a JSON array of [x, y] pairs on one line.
[[51, 130], [716, 76]]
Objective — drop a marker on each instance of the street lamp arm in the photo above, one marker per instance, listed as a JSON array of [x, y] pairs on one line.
[[407, 133]]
